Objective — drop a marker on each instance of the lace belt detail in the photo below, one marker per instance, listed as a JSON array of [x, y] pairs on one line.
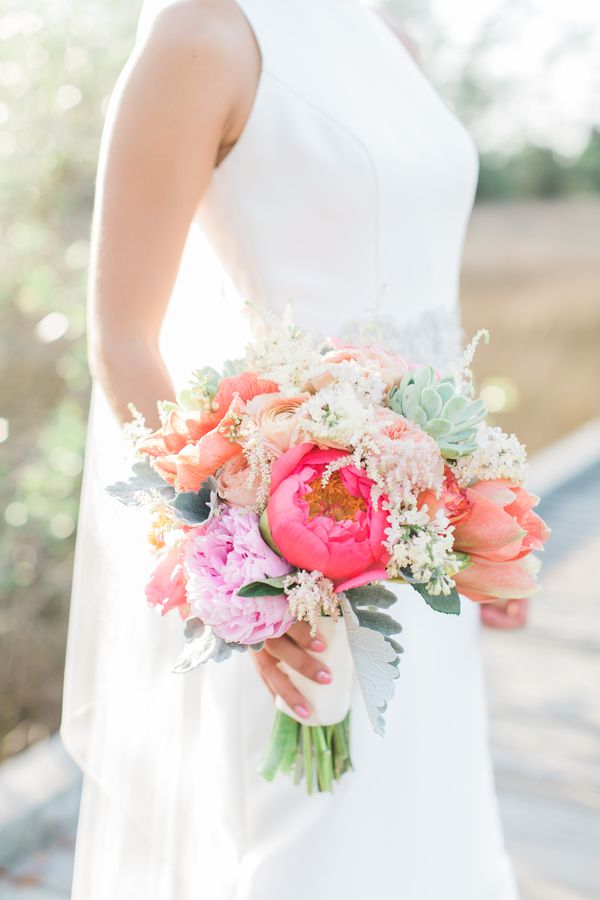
[[433, 336]]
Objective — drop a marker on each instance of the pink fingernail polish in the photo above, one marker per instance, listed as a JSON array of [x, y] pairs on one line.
[[324, 677], [302, 711], [317, 645]]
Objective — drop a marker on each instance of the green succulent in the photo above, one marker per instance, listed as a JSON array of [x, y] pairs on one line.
[[437, 406]]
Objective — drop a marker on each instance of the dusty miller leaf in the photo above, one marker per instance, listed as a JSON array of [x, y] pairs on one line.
[[376, 665], [136, 491], [201, 645], [194, 507], [371, 595]]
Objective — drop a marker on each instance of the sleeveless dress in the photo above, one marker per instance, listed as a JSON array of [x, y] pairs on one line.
[[347, 195]]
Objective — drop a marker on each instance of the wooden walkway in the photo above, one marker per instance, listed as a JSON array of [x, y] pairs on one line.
[[545, 727]]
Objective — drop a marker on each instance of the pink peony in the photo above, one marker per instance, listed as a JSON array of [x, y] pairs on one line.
[[228, 553], [166, 587], [333, 529]]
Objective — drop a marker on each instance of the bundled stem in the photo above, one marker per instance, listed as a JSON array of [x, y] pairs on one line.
[[319, 754]]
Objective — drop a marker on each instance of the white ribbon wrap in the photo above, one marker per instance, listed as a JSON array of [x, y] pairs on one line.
[[329, 702]]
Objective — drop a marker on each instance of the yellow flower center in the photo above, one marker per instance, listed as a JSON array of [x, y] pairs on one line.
[[332, 500]]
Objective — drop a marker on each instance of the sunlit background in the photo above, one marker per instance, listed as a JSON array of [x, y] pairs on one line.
[[522, 74]]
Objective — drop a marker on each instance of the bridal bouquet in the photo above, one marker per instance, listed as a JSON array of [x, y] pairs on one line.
[[293, 486]]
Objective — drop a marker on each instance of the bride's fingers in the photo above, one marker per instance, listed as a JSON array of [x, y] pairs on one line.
[[300, 632], [279, 684], [288, 651], [509, 615]]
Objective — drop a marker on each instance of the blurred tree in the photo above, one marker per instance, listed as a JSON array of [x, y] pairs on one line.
[[56, 69]]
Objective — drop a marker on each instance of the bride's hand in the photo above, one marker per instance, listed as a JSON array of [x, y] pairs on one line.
[[505, 614], [291, 649]]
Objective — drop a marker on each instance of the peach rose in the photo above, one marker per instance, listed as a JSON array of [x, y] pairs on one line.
[[277, 417], [390, 366], [232, 483]]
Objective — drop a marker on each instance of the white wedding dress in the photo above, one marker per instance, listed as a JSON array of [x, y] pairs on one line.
[[347, 195]]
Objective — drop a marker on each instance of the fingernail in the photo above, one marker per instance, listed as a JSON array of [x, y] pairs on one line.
[[317, 645], [324, 676], [512, 608], [302, 711]]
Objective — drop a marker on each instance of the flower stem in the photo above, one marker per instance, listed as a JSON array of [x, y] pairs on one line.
[[318, 754]]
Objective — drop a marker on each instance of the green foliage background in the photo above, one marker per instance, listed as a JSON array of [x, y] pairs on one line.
[[58, 62]]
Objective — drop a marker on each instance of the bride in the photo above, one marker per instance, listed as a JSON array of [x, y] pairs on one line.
[[301, 139]]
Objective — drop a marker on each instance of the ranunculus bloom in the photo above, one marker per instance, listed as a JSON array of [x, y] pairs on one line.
[[390, 367], [193, 444], [232, 483], [495, 525], [228, 553], [166, 587], [334, 529], [277, 419]]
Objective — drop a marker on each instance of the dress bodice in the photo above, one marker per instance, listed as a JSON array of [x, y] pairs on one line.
[[348, 191]]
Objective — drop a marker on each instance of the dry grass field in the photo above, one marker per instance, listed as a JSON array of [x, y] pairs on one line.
[[532, 277]]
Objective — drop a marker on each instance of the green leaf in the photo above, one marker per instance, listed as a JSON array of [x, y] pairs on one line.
[[444, 603], [268, 587], [136, 491]]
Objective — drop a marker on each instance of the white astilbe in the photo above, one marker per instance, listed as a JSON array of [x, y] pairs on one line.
[[422, 548], [311, 595], [498, 455], [402, 468], [366, 382], [335, 416], [462, 371], [259, 458], [284, 353], [135, 430]]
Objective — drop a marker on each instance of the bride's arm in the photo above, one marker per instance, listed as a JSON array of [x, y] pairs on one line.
[[176, 104]]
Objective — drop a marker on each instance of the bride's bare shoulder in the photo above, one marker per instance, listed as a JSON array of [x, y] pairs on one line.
[[193, 61], [212, 31]]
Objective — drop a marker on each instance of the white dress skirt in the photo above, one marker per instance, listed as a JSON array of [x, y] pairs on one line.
[[347, 196]]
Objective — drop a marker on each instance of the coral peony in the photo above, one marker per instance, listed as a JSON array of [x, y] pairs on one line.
[[333, 529], [166, 587], [228, 553]]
